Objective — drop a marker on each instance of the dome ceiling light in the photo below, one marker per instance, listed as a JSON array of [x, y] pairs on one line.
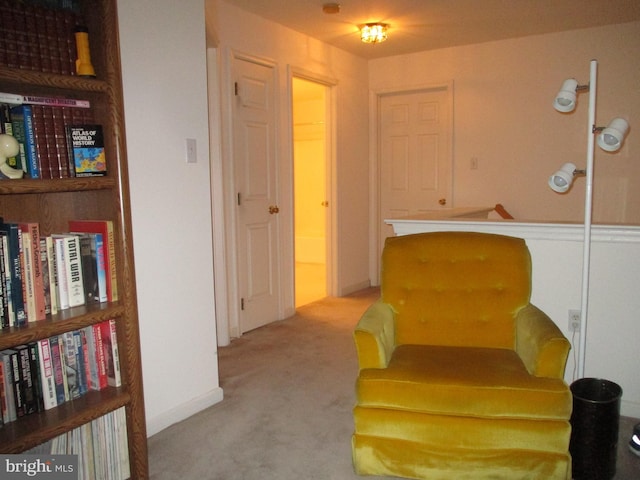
[[373, 32]]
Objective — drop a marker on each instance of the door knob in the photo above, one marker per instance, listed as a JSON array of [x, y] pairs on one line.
[[442, 201], [273, 209], [324, 204]]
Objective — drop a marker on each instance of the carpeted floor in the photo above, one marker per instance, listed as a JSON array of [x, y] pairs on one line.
[[286, 415]]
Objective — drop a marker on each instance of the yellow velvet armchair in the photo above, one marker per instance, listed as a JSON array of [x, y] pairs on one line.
[[460, 377]]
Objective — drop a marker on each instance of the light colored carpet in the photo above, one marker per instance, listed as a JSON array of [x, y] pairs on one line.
[[286, 415]]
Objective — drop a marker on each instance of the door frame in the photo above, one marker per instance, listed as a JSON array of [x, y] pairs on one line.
[[375, 98], [223, 175], [331, 226], [225, 225]]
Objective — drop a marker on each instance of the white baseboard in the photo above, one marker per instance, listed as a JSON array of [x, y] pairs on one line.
[[177, 414], [356, 287], [630, 409]]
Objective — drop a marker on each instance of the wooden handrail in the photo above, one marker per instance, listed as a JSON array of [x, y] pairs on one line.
[[500, 210]]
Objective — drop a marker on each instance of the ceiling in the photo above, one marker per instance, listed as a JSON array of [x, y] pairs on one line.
[[417, 25]]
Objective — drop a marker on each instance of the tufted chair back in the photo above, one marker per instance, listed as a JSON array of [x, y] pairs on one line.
[[456, 288]]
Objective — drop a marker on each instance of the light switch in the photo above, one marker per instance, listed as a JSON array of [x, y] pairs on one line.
[[192, 154]]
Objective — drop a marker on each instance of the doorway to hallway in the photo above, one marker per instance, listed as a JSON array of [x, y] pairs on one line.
[[311, 187]]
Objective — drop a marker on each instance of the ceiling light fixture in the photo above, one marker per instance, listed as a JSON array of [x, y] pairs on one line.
[[373, 32]]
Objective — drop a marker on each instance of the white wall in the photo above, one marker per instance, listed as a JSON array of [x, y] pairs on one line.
[[165, 97], [503, 116], [236, 31]]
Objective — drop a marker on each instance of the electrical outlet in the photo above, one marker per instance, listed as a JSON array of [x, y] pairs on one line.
[[574, 320]]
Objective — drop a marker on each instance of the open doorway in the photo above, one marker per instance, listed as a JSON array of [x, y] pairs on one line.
[[310, 166]]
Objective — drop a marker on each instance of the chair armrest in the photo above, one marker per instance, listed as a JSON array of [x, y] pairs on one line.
[[540, 343], [375, 336]]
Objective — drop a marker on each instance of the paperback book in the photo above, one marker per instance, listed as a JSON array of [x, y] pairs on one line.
[[86, 150]]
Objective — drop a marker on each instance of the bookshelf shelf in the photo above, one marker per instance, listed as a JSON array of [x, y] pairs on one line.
[[38, 428], [50, 81], [31, 186], [64, 321], [52, 203]]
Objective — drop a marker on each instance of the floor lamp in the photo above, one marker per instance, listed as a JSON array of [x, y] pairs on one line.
[[610, 139]]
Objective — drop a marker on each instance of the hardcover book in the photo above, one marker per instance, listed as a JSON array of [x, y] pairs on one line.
[[34, 271], [22, 122], [86, 148]]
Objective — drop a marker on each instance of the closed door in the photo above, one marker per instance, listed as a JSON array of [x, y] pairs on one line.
[[255, 168], [415, 154]]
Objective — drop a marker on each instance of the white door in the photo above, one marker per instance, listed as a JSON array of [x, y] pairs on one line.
[[254, 160], [415, 154]]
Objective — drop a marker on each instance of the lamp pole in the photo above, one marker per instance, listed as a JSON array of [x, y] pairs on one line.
[[588, 207]]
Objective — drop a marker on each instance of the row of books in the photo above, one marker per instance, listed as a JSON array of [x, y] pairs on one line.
[[49, 372], [41, 275], [101, 446], [38, 36], [57, 137]]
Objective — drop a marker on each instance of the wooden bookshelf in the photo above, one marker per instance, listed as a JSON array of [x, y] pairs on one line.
[[52, 203]]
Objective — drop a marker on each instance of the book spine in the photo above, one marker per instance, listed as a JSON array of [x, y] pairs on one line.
[[31, 153], [21, 38], [36, 275], [71, 364], [56, 101], [63, 361], [74, 271], [7, 14], [92, 358], [18, 393], [114, 374], [17, 124], [102, 272], [60, 164], [34, 359], [53, 274], [100, 357], [61, 269], [47, 375], [29, 396], [4, 307], [46, 277], [11, 316], [10, 415], [3, 396], [50, 141], [40, 139], [15, 255], [27, 283], [58, 371], [88, 258], [80, 361]]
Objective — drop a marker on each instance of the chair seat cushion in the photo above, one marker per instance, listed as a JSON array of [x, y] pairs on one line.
[[463, 381]]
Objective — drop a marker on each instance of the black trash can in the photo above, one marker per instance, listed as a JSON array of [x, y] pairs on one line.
[[594, 428]]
